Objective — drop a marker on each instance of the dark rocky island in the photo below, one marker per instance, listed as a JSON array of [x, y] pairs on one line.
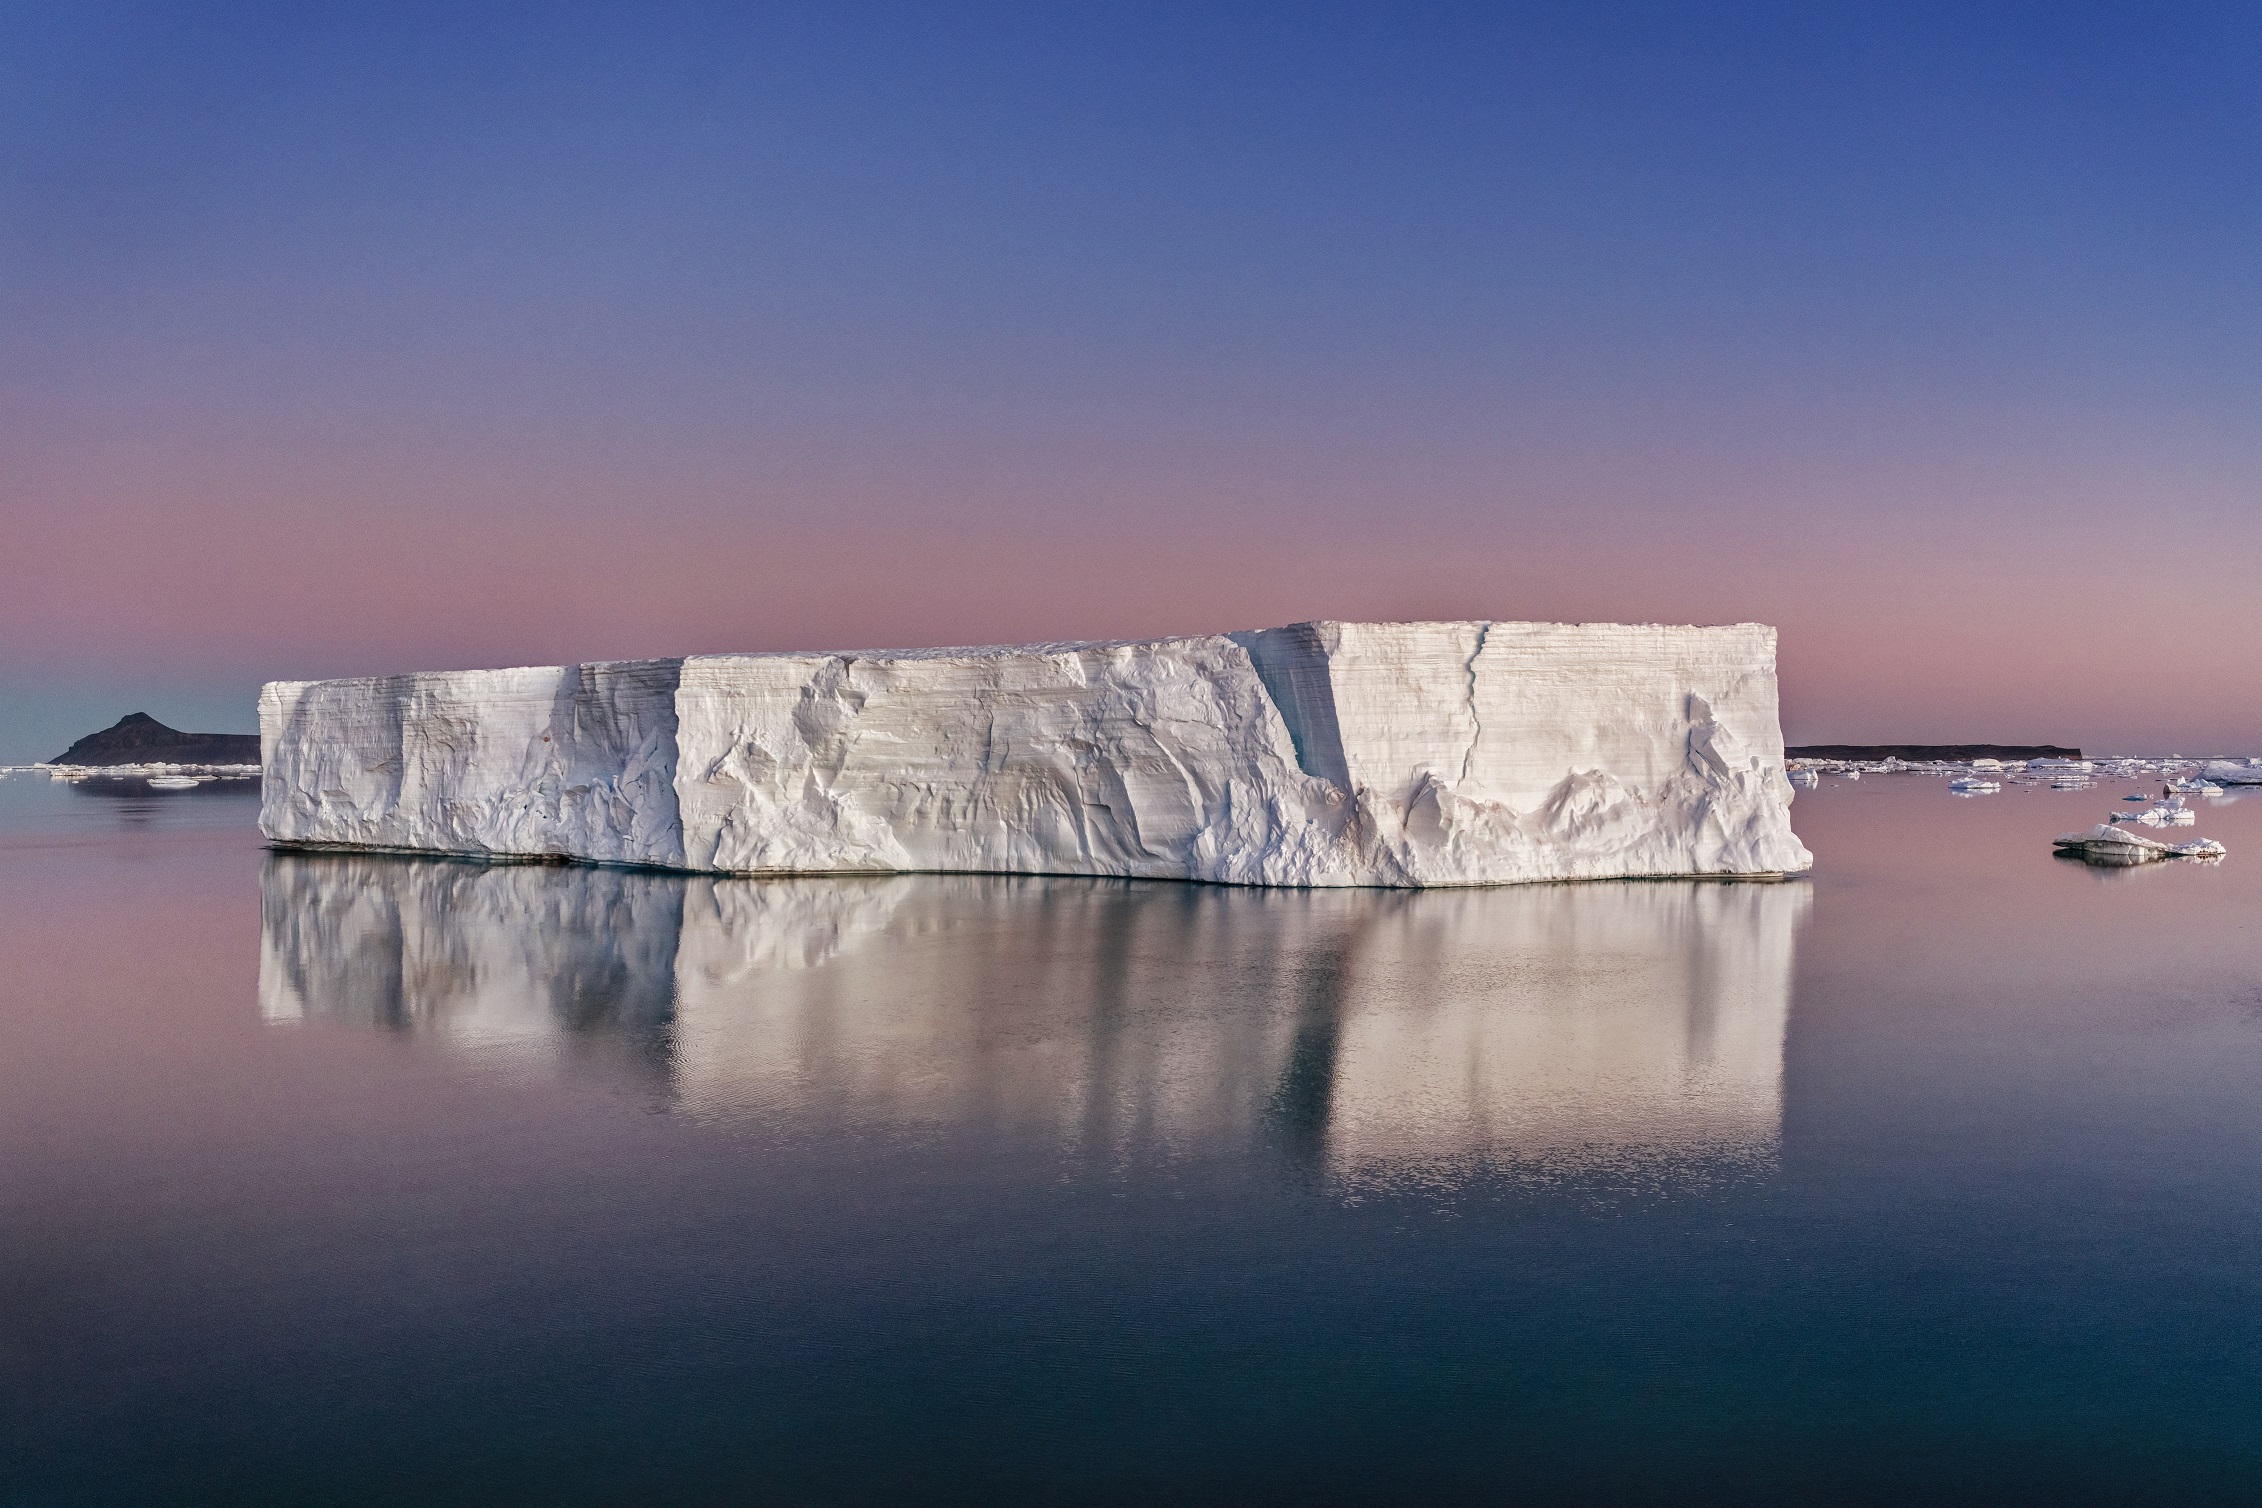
[[1950, 752], [139, 738]]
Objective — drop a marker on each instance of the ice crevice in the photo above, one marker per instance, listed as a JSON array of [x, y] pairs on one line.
[[1319, 754], [1476, 722]]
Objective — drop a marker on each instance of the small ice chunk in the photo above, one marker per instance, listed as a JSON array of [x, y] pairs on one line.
[[2107, 844]]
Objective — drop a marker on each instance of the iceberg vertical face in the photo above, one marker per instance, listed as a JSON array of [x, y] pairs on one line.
[[572, 762], [1478, 753], [1631, 1033], [1161, 760], [1294, 664], [1325, 754]]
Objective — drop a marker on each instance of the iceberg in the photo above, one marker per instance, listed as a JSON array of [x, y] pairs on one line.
[[2233, 772], [1320, 754], [2170, 813], [2107, 844]]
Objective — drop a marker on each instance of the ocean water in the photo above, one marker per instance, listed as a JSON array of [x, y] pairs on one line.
[[1936, 1177]]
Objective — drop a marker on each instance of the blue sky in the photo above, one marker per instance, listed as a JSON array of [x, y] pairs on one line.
[[409, 336]]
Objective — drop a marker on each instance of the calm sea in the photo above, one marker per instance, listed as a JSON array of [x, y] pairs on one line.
[[1934, 1178]]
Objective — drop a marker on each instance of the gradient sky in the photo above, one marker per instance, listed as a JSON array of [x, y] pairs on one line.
[[364, 338]]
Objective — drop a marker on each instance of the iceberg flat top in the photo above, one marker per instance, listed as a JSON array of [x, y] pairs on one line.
[[1052, 647]]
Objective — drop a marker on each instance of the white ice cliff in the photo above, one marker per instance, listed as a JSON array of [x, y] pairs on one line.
[[1318, 754]]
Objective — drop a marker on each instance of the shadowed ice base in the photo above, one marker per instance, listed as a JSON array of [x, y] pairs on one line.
[[1630, 1032]]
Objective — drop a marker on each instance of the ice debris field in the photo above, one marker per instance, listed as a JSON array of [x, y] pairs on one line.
[[2109, 842], [1320, 754], [159, 776]]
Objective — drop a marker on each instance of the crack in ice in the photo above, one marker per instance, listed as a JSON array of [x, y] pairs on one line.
[[1476, 726]]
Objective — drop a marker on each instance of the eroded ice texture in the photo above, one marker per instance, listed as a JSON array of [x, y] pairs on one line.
[[2234, 772], [577, 761], [1319, 754]]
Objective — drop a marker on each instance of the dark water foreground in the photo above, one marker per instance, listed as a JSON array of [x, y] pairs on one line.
[[335, 1179]]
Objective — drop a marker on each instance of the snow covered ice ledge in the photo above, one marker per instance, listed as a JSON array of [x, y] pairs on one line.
[[1318, 754]]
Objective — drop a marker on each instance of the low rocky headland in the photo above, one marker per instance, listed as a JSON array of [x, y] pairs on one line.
[[139, 739]]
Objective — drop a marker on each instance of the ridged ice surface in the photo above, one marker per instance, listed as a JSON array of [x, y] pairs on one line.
[[1319, 754], [576, 761]]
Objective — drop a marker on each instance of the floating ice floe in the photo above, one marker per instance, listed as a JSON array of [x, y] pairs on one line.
[[153, 773], [1972, 785], [2107, 844], [2170, 813]]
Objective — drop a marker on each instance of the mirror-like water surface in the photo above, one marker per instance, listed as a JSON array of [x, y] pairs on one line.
[[336, 1178], [1379, 1037]]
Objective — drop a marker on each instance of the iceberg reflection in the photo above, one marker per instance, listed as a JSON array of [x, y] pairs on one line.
[[522, 962], [1385, 1038]]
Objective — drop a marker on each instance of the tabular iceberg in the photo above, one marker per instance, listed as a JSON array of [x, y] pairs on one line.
[[1326, 754]]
